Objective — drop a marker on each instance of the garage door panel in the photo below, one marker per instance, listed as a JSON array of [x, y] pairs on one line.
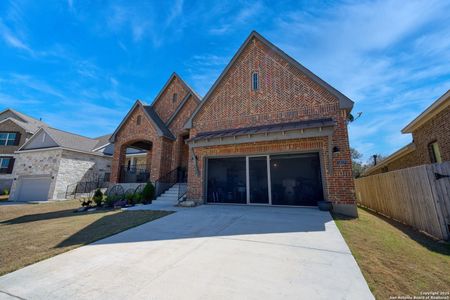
[[296, 179], [227, 180], [34, 189], [290, 179]]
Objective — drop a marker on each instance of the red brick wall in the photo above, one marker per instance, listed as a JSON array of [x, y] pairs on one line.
[[177, 128], [436, 129], [130, 133], [164, 105], [285, 95]]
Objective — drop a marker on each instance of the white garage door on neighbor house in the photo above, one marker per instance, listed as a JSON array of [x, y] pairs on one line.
[[34, 188]]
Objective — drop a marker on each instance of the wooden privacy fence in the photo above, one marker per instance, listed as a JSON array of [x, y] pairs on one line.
[[417, 196]]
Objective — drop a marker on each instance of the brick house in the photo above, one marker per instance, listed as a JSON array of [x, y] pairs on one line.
[[268, 131], [15, 129], [431, 140]]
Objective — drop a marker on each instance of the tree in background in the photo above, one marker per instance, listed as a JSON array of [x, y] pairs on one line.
[[357, 166]]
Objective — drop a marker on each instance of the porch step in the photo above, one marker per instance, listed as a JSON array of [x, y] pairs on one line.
[[169, 195]]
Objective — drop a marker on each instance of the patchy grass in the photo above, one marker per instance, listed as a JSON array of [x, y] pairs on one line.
[[395, 259], [30, 233]]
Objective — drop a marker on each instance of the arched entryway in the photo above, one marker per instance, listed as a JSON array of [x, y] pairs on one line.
[[136, 161]]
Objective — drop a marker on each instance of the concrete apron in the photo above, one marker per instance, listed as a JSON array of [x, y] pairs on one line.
[[208, 252]]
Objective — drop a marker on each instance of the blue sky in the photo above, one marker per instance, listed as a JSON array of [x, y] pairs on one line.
[[80, 65]]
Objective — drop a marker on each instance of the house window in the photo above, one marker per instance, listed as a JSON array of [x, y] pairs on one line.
[[255, 81], [8, 139], [174, 97], [138, 121], [435, 153], [6, 164]]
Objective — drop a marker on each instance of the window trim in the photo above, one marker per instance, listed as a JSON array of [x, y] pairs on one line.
[[8, 169], [435, 156], [8, 133], [258, 86]]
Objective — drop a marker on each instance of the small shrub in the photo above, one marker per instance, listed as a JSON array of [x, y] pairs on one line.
[[148, 193], [5, 192], [137, 198], [110, 200], [98, 197], [130, 199]]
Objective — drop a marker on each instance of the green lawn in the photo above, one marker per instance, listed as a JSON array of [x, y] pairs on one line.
[[30, 233], [395, 259]]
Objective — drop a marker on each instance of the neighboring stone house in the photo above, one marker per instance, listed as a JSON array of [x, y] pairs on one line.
[[268, 131], [15, 129], [431, 140], [53, 159]]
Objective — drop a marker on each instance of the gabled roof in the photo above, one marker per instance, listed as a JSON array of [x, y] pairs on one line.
[[344, 101], [180, 107], [153, 117], [158, 122], [172, 77], [64, 139], [29, 124], [435, 108]]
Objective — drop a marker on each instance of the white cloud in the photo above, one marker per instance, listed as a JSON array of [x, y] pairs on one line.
[[385, 55], [235, 18], [12, 40]]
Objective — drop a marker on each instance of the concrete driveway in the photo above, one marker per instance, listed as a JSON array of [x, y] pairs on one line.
[[208, 252]]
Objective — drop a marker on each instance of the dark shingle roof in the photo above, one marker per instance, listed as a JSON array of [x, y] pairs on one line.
[[158, 122], [72, 141], [28, 123], [102, 140]]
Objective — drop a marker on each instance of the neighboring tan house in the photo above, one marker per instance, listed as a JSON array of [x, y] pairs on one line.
[[431, 140], [15, 129], [268, 132], [53, 159]]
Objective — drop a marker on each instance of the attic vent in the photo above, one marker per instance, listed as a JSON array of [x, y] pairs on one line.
[[138, 120], [174, 97]]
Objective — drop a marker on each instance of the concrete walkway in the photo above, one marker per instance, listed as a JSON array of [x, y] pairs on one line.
[[208, 252]]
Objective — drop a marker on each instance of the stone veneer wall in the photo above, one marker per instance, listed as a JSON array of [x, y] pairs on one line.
[[36, 163], [66, 167], [77, 167]]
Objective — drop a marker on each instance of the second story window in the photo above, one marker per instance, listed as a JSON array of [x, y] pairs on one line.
[[138, 120], [435, 153], [174, 97], [255, 81], [9, 139], [6, 165]]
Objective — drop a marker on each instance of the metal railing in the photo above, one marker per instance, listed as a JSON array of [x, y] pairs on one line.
[[182, 189], [134, 173], [84, 189], [168, 180]]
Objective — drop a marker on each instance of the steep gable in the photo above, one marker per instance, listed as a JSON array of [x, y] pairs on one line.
[[287, 91], [171, 96], [151, 122]]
